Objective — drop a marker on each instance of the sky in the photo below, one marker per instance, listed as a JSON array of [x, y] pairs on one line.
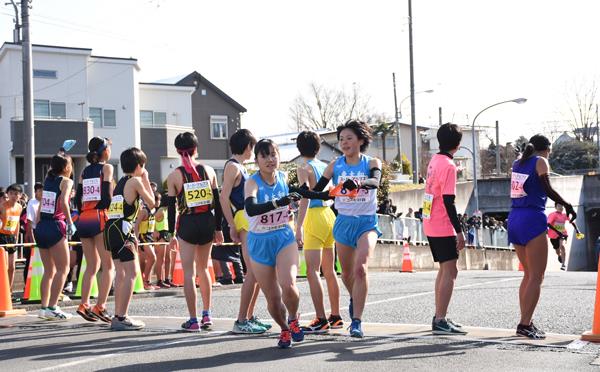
[[264, 53]]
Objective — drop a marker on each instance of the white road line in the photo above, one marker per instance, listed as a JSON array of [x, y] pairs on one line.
[[420, 294]]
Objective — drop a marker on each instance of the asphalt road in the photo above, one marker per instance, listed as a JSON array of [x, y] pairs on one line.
[[482, 299]]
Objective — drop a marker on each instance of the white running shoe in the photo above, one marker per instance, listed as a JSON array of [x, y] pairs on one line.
[[68, 288], [44, 314], [57, 314]]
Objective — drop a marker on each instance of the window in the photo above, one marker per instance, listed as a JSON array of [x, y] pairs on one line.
[[110, 118], [218, 127], [44, 74], [58, 110], [160, 118], [146, 118], [41, 108], [96, 116]]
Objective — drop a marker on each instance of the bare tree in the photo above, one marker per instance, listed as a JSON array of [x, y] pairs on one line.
[[326, 108], [581, 99]]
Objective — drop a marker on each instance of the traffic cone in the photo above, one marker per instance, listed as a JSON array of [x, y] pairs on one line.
[[231, 270], [138, 286], [594, 334], [178, 271], [93, 289], [6, 308], [301, 264], [407, 265], [35, 271]]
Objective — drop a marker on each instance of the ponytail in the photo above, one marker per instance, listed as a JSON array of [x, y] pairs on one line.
[[527, 153], [92, 157], [536, 143]]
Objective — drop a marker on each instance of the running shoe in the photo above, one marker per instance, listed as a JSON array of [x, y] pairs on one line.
[[356, 328], [68, 288], [149, 287], [538, 330], [101, 314], [86, 313], [247, 327], [126, 324], [457, 325], [285, 340], [563, 267], [256, 321], [443, 327], [226, 281], [44, 314], [316, 326], [530, 331], [191, 326], [206, 322], [57, 314], [335, 322], [239, 280], [351, 309], [171, 284], [297, 334], [162, 284]]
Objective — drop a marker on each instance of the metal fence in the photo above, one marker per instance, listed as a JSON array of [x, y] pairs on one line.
[[401, 229]]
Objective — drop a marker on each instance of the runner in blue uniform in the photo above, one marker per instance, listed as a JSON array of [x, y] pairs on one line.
[[527, 225]]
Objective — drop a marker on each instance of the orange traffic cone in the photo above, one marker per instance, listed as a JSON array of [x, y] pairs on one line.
[[35, 271], [594, 334], [6, 308], [407, 265], [178, 271]]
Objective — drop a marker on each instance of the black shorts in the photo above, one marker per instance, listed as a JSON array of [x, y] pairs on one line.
[[49, 232], [120, 244], [164, 235], [443, 248], [196, 228], [8, 239], [556, 242]]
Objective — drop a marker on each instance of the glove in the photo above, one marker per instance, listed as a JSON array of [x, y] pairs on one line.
[[350, 184], [570, 212], [286, 200], [71, 230]]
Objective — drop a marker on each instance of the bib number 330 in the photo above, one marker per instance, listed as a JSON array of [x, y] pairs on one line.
[[197, 193]]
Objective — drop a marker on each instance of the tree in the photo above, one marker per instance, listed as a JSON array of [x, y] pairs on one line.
[[568, 157], [326, 107], [581, 100], [383, 128]]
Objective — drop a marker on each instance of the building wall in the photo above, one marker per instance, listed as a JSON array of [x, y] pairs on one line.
[[175, 101]]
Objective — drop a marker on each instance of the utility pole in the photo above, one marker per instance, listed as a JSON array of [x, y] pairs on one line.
[[415, 160], [28, 129], [598, 136], [398, 139], [440, 115], [17, 30], [497, 148]]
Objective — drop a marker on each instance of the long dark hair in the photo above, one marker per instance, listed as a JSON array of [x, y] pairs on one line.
[[97, 146], [538, 142], [58, 164]]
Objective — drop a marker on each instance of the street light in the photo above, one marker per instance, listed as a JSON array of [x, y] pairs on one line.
[[475, 189], [407, 97]]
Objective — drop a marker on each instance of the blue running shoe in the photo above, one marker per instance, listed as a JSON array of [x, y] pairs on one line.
[[285, 340], [297, 333], [351, 309], [355, 329]]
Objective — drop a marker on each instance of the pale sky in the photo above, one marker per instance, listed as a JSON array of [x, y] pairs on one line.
[[263, 53]]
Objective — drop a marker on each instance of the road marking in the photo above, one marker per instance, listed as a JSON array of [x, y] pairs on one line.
[[420, 294]]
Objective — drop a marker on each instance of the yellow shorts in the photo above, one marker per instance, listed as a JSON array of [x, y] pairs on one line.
[[241, 221], [318, 228]]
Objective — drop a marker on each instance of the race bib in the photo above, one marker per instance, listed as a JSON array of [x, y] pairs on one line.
[[115, 210], [274, 220], [560, 227], [91, 189], [517, 182], [48, 203], [197, 193], [427, 204], [11, 223], [151, 225], [362, 195]]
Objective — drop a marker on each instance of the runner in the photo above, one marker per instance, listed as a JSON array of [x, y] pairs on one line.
[[557, 233], [119, 236], [10, 214], [527, 225], [315, 235], [32, 207], [271, 243], [235, 176], [355, 230], [92, 198], [163, 252], [441, 225], [193, 187], [145, 225], [54, 226]]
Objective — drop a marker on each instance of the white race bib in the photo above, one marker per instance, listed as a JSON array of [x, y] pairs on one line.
[[363, 194], [274, 220], [197, 193], [427, 204], [91, 189], [115, 210], [48, 203], [517, 183]]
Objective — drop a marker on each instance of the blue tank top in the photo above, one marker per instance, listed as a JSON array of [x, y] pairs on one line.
[[318, 168], [365, 204], [526, 188], [237, 193], [277, 218], [50, 208]]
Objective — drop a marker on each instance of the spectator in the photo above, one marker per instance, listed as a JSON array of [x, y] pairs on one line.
[[409, 214]]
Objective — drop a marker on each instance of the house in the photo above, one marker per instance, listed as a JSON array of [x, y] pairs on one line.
[[464, 156], [288, 152]]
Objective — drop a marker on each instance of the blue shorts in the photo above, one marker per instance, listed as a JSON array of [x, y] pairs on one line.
[[524, 224], [348, 229], [49, 232], [264, 247]]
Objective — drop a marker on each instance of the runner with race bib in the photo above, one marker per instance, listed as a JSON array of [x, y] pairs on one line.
[[527, 225]]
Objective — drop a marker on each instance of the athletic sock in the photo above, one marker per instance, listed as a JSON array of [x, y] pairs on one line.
[[121, 318], [52, 308], [205, 313]]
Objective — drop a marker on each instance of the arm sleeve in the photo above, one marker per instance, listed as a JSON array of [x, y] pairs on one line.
[[323, 181], [218, 210], [78, 196], [552, 194], [305, 193], [104, 202], [374, 179], [172, 213], [253, 208], [451, 210]]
